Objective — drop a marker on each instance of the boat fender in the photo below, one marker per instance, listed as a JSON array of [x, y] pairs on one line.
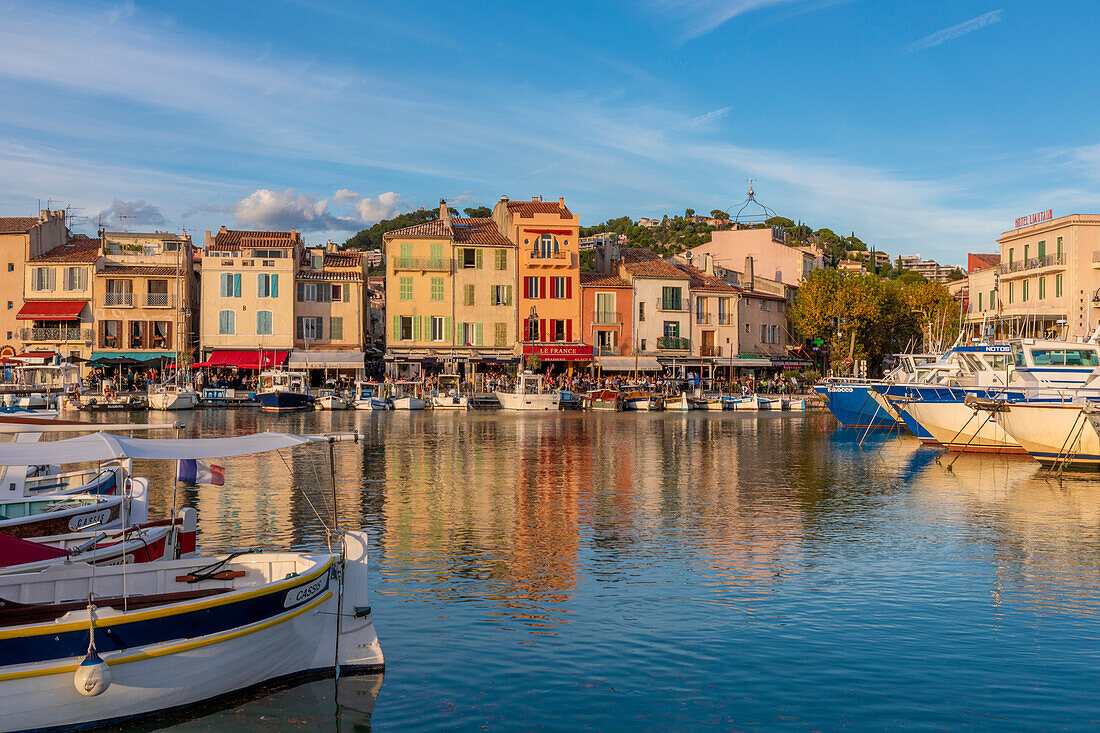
[[93, 676], [362, 611]]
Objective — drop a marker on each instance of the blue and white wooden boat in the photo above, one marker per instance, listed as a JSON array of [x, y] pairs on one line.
[[83, 646], [370, 396], [282, 391]]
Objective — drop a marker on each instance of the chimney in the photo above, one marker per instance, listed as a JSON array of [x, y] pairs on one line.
[[444, 212], [708, 263], [503, 197], [536, 198], [749, 281], [561, 202]]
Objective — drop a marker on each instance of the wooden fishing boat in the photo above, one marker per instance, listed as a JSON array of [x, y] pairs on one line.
[[606, 399]]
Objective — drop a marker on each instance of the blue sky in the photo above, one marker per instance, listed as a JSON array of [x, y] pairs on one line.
[[923, 127]]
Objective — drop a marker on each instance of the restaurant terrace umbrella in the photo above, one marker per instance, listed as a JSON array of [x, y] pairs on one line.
[[115, 361]]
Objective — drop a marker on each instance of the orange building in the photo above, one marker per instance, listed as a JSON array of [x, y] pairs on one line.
[[548, 302], [607, 310]]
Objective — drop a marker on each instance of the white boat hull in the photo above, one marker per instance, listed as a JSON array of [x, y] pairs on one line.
[[746, 404], [447, 402], [1053, 433], [677, 404], [330, 403], [172, 674], [408, 403], [771, 403], [638, 404], [529, 402], [173, 400], [954, 425]]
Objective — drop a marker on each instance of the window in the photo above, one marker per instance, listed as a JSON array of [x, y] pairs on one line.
[[765, 305], [263, 323], [500, 294], [549, 244], [437, 254], [500, 334], [992, 298], [437, 288], [559, 330], [339, 292], [110, 334], [467, 295], [335, 328], [1011, 252], [1026, 247], [672, 329], [1011, 292], [1058, 252], [641, 311], [161, 335], [1042, 288], [643, 345], [436, 328], [605, 308], [76, 278], [227, 322], [561, 288], [532, 329], [775, 334], [404, 328], [1042, 247], [1025, 290], [471, 258], [980, 307], [1058, 282], [267, 286], [43, 278], [500, 259], [763, 334], [315, 262], [137, 335], [11, 268], [231, 285], [310, 328], [469, 334], [670, 298], [406, 292], [269, 254], [531, 287]]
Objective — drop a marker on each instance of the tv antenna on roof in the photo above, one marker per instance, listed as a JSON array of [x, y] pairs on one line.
[[756, 215]]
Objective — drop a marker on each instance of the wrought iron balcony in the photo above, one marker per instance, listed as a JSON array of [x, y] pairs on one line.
[[159, 300], [710, 351], [60, 335], [608, 318], [672, 343], [112, 300], [1055, 260], [426, 264]]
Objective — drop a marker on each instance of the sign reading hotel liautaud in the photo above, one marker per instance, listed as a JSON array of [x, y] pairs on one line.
[[1037, 217]]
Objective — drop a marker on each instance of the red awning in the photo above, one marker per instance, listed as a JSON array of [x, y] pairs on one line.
[[559, 352], [51, 310], [245, 359]]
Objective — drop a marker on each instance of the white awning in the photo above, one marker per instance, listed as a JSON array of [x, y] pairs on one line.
[[626, 364], [300, 359], [104, 447]]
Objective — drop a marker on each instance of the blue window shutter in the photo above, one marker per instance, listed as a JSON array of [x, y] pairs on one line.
[[275, 286], [237, 285]]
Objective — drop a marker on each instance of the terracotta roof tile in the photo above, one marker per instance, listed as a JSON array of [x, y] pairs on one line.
[[657, 268], [479, 230], [17, 224], [602, 280], [318, 275], [78, 249], [235, 239], [528, 209], [702, 281], [433, 228], [637, 254], [148, 270], [343, 259]]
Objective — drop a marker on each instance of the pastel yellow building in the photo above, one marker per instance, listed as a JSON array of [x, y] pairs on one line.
[[331, 304], [57, 290], [22, 238]]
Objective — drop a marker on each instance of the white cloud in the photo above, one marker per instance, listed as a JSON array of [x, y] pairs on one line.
[[705, 119], [955, 31], [289, 209], [700, 17], [131, 213]]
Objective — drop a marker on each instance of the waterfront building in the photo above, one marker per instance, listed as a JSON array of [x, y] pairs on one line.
[[144, 288], [1048, 278], [450, 295], [772, 256], [376, 321], [607, 321], [331, 305], [57, 290], [22, 238], [714, 304], [248, 298], [548, 294], [662, 317], [930, 269]]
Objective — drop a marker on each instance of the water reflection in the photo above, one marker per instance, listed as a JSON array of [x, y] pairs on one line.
[[572, 552]]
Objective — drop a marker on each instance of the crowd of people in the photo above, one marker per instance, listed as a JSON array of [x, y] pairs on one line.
[[667, 383]]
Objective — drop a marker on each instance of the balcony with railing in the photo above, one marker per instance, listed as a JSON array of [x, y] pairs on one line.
[[673, 343], [159, 300], [118, 299], [710, 350], [725, 319], [608, 318], [704, 319], [1033, 263], [424, 264], [57, 335], [551, 259]]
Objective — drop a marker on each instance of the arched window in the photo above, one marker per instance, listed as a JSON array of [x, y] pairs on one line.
[[547, 244]]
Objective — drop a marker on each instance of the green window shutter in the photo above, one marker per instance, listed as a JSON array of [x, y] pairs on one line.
[[301, 288], [335, 328], [237, 285], [477, 259], [447, 328], [347, 292], [507, 295], [260, 286], [500, 334], [416, 328], [396, 335], [406, 250], [275, 285], [477, 338], [320, 329], [298, 327]]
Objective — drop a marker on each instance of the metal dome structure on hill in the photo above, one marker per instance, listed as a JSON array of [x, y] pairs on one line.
[[751, 211]]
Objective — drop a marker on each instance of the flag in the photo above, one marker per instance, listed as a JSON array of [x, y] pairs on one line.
[[200, 472]]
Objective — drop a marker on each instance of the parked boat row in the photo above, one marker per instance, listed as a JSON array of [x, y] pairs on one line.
[[105, 616], [1026, 396]]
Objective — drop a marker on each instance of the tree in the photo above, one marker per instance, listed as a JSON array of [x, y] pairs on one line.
[[480, 211], [372, 238], [779, 221], [689, 213], [956, 274], [719, 215]]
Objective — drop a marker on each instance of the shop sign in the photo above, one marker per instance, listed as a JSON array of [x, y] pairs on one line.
[[1036, 218]]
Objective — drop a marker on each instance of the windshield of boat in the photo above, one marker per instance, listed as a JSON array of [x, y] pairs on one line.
[[1080, 357]]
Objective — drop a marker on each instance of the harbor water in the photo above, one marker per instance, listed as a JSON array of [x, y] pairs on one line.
[[654, 571]]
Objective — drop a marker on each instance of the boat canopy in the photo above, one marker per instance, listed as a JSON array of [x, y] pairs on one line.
[[105, 447]]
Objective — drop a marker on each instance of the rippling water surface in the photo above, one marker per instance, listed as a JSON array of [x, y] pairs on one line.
[[652, 571]]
